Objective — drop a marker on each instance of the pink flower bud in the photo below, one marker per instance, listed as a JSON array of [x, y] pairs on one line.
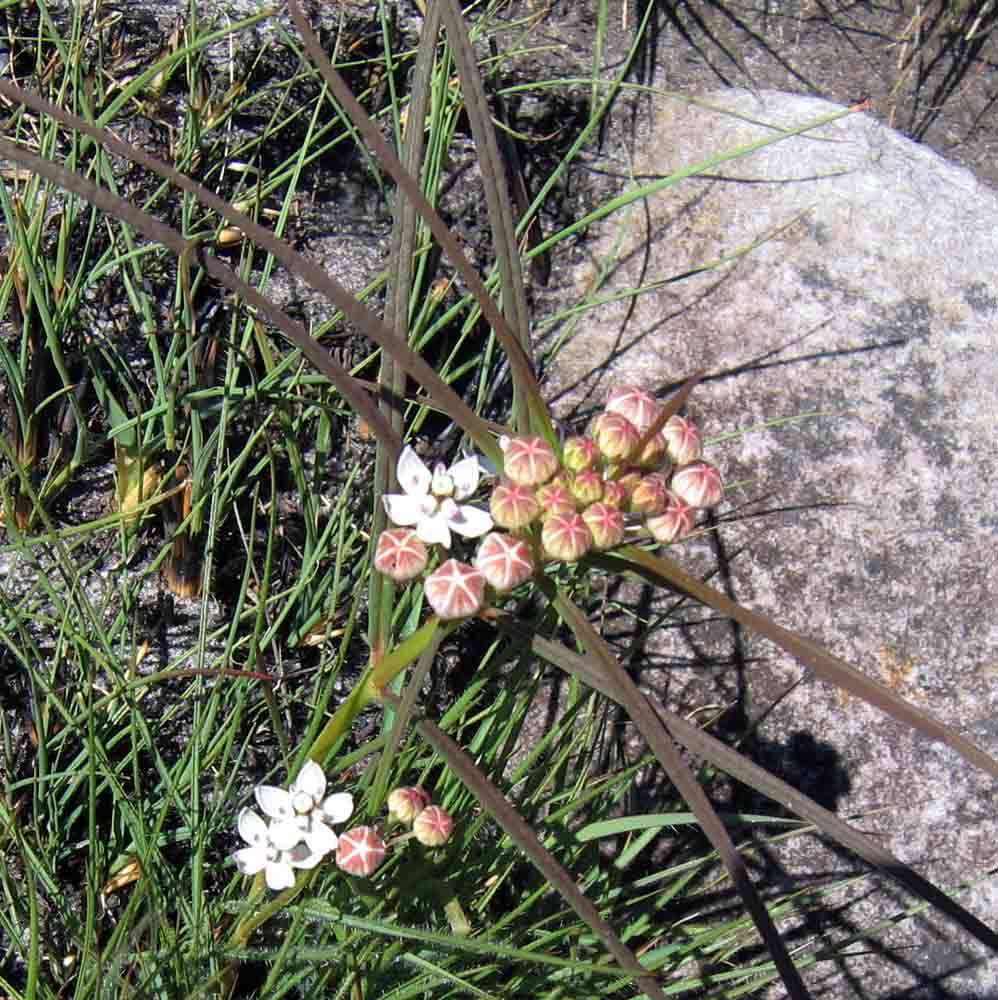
[[455, 589], [529, 461], [555, 499], [628, 482], [566, 537], [675, 522], [587, 486], [360, 851], [504, 561], [638, 406], [614, 494], [650, 495], [654, 454], [513, 507], [406, 803], [698, 484], [615, 436], [399, 554], [682, 440], [432, 827], [606, 524], [579, 453]]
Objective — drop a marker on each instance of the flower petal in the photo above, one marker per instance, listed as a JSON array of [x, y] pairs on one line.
[[470, 521], [252, 828], [405, 511], [433, 530], [285, 834], [302, 857], [465, 475], [413, 475], [311, 780], [250, 860], [280, 875], [275, 802], [338, 807], [320, 838]]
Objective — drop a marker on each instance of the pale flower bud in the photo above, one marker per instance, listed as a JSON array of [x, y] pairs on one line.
[[615, 436], [587, 486], [682, 440], [555, 499], [566, 537], [579, 453], [455, 590], [513, 507], [406, 803], [674, 523], [433, 826], [699, 485], [606, 524], [614, 494], [636, 405], [360, 851], [654, 454], [529, 461], [504, 561], [400, 554], [650, 495]]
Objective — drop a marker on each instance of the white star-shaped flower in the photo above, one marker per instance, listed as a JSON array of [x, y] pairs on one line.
[[430, 501], [263, 854], [302, 813]]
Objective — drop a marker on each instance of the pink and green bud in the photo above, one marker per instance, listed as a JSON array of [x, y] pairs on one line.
[[614, 494], [636, 405], [566, 537], [400, 554], [682, 440], [360, 851], [605, 523], [455, 590], [529, 461], [433, 826], [615, 436], [587, 486], [513, 507], [650, 495], [654, 454], [579, 453], [628, 482], [699, 485], [674, 523], [406, 803], [504, 561], [555, 499]]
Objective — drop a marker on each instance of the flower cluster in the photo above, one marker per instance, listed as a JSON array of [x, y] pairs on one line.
[[633, 469]]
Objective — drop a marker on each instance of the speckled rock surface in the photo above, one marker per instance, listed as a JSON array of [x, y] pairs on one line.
[[870, 527]]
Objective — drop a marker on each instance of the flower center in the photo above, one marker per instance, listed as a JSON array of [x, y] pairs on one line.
[[443, 483], [302, 803]]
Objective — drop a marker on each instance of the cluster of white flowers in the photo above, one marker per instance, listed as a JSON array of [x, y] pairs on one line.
[[297, 832]]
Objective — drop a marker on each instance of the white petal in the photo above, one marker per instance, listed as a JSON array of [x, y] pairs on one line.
[[406, 511], [302, 857], [470, 521], [286, 833], [251, 828], [413, 475], [311, 780], [338, 807], [465, 475], [275, 802], [250, 860], [433, 530], [280, 875], [320, 839]]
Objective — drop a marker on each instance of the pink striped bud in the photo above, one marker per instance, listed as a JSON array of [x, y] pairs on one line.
[[579, 453], [650, 495], [628, 482], [406, 803], [400, 555], [615, 436], [614, 494], [433, 826], [698, 484], [504, 561], [455, 590], [529, 461], [359, 851], [654, 454], [674, 523], [606, 524], [587, 486], [682, 440], [513, 507], [555, 499], [566, 537], [636, 405]]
